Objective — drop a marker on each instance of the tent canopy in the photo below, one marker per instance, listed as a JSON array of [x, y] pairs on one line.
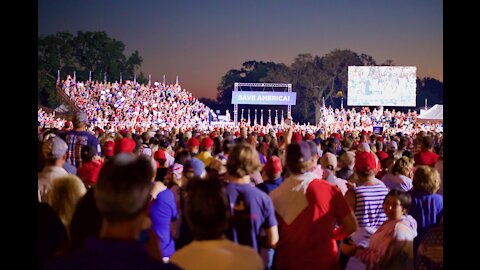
[[432, 115]]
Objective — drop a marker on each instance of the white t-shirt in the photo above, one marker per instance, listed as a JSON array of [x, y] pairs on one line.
[[217, 254]]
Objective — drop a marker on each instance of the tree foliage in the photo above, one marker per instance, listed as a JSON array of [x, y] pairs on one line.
[[317, 78], [85, 52], [251, 71]]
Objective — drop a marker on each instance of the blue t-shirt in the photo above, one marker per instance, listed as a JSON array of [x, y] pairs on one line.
[[75, 140], [251, 210], [268, 186], [163, 210], [426, 209], [101, 254]]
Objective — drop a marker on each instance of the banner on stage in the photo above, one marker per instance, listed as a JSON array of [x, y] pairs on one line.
[[222, 124], [264, 98], [377, 129]]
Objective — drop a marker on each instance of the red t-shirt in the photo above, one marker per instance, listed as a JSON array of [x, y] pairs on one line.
[[89, 171], [426, 158], [307, 242]]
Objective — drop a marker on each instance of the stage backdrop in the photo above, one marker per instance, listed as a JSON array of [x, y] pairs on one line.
[[263, 97], [382, 85]]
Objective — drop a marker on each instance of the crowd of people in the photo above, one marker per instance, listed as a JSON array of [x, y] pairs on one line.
[[129, 104], [139, 179], [138, 107]]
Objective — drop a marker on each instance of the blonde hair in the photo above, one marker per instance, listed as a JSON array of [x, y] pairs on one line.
[[64, 195], [402, 166], [427, 179], [243, 160]]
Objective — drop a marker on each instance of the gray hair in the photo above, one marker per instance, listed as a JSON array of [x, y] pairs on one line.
[[124, 186]]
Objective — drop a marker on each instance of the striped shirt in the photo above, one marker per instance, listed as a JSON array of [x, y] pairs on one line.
[[369, 205]]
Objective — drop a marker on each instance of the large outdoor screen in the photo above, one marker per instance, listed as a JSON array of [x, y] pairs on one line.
[[382, 85]]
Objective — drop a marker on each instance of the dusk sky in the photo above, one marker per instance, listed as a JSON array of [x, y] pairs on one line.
[[201, 40]]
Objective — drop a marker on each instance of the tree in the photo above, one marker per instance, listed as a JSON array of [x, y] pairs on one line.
[[315, 78], [88, 51], [251, 71], [431, 89]]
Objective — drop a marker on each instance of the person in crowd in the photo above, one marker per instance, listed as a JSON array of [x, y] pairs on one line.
[[108, 149], [272, 173], [307, 209], [51, 234], [366, 200], [78, 137], [163, 211], [64, 195], [426, 156], [329, 166], [193, 146], [400, 176], [145, 147], [205, 154], [439, 168], [392, 150], [207, 213], [122, 196], [345, 165], [91, 166], [250, 208], [54, 152], [430, 251], [427, 205], [86, 222], [194, 167], [391, 246], [160, 158]]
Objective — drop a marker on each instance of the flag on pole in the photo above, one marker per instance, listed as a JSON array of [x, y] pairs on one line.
[[149, 79], [105, 77], [276, 117], [176, 81], [248, 116], [261, 117], [282, 118], [134, 78], [255, 118], [164, 80], [120, 77], [90, 76], [74, 78], [58, 76]]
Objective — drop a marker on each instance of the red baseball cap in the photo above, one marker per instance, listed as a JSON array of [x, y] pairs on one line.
[[108, 148], [160, 155], [365, 162], [296, 137], [273, 166], [193, 142], [124, 145], [206, 142]]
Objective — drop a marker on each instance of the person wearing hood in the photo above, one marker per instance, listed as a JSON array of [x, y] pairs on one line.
[[391, 246]]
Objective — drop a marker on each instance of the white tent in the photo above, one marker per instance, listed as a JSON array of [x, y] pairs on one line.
[[432, 115]]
